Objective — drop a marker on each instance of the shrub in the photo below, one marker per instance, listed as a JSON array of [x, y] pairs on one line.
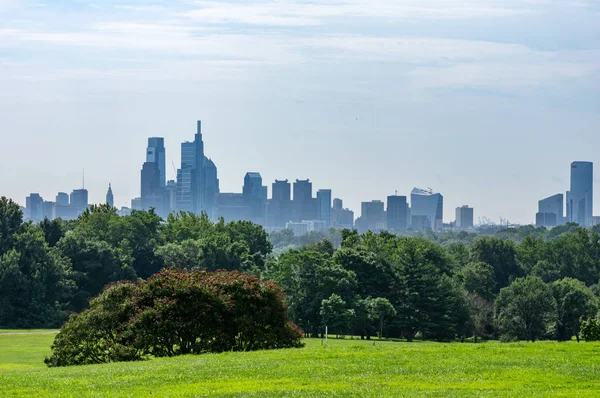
[[590, 329], [177, 312]]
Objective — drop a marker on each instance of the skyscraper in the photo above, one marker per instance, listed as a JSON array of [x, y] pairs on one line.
[[304, 207], [427, 209], [186, 177], [34, 204], [279, 206], [397, 210], [340, 217], [79, 200], [550, 211], [254, 196], [372, 217], [152, 194], [110, 199], [62, 199], [581, 196], [155, 153], [324, 206], [197, 181], [464, 217]]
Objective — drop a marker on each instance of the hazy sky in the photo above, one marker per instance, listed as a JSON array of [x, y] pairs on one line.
[[485, 101]]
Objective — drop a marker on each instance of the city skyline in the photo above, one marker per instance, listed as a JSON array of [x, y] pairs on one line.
[[197, 189]]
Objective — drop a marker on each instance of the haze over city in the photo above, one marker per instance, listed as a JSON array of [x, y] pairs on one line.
[[487, 102]]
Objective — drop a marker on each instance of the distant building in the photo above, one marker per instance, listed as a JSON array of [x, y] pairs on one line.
[[62, 199], [580, 198], [110, 199], [464, 217], [255, 196], [427, 209], [304, 206], [34, 205], [153, 196], [324, 206], [341, 218], [306, 226], [232, 207], [155, 153], [124, 211], [79, 200], [372, 217], [397, 211], [279, 207], [171, 189], [136, 204], [197, 181], [596, 220], [550, 211], [64, 212]]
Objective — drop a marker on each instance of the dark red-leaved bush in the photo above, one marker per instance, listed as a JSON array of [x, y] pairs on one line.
[[177, 312]]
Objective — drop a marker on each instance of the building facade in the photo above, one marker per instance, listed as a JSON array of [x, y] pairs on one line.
[[397, 212], [550, 211], [324, 206], [580, 198], [464, 217], [427, 209]]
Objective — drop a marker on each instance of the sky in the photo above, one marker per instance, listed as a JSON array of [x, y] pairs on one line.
[[485, 101]]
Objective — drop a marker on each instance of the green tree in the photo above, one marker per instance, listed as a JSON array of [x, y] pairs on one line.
[[574, 301], [11, 220], [335, 315], [525, 309], [380, 309], [501, 255], [478, 278]]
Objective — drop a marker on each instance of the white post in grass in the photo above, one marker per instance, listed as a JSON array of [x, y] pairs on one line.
[[325, 333]]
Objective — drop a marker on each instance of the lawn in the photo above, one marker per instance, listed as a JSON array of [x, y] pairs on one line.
[[339, 368]]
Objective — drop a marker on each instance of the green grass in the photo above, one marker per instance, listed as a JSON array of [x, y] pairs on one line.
[[341, 368]]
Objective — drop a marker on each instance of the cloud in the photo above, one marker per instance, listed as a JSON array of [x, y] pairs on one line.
[[295, 14]]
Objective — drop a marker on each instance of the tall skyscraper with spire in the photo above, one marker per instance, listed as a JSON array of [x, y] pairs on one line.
[[110, 199], [197, 181]]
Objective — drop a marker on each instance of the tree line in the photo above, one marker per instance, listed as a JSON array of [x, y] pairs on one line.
[[458, 287]]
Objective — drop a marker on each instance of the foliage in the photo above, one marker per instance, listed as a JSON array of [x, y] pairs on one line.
[[176, 312], [590, 329], [574, 301], [335, 314], [525, 309]]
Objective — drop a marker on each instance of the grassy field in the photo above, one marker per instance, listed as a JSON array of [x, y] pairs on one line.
[[340, 368]]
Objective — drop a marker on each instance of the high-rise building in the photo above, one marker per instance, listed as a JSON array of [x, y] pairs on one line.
[[155, 153], [372, 217], [550, 211], [62, 199], [324, 206], [153, 196], [338, 204], [254, 196], [427, 209], [211, 187], [304, 206], [581, 196], [185, 178], [464, 217], [79, 200], [232, 207], [171, 189], [279, 206], [340, 217], [110, 199], [397, 210], [136, 204], [197, 182], [34, 205]]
